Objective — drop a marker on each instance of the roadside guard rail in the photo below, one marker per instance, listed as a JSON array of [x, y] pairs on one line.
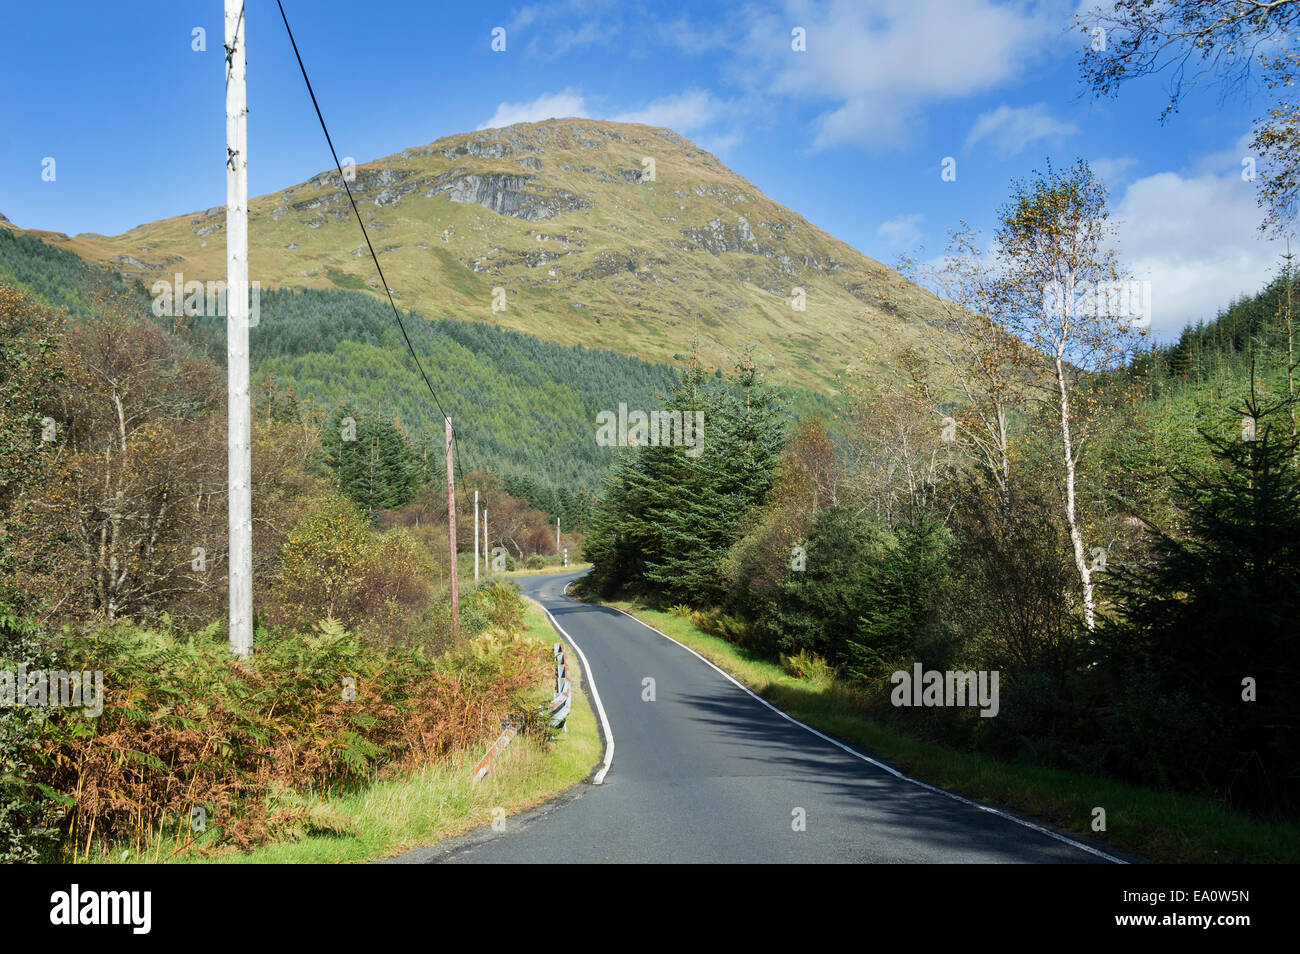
[[558, 714], [563, 700]]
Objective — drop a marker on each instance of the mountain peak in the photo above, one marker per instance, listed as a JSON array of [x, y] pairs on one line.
[[614, 235]]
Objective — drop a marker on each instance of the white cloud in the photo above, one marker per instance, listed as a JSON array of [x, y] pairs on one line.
[[592, 31], [692, 109], [878, 63], [559, 105], [723, 142], [1112, 171], [901, 232], [1195, 237], [1225, 159], [682, 112], [692, 38], [553, 28], [1011, 129]]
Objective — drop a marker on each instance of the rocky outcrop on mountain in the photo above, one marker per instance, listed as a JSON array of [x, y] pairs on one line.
[[717, 237], [133, 262], [505, 194]]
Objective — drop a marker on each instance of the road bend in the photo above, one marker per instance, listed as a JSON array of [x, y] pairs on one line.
[[706, 772]]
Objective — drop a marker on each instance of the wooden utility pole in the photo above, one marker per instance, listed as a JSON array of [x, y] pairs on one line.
[[451, 534], [238, 430], [475, 536], [557, 536]]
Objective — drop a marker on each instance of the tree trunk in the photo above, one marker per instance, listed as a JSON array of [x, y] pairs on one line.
[[1076, 537]]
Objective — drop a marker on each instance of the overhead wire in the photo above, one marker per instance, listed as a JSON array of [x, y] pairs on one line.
[[379, 268]]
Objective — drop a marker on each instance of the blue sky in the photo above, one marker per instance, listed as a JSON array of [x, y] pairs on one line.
[[850, 133]]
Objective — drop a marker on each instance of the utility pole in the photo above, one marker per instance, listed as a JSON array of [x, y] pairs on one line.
[[451, 533], [1289, 276], [485, 548], [557, 536], [476, 536], [238, 431]]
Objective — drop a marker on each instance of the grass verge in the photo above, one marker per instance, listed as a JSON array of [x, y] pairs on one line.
[[550, 570], [1161, 826], [433, 803]]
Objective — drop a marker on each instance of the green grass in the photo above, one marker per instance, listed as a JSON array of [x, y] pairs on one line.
[[549, 570], [344, 280], [1160, 826], [433, 803]]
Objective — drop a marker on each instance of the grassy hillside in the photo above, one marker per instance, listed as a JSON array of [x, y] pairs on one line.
[[523, 406], [556, 214], [57, 277]]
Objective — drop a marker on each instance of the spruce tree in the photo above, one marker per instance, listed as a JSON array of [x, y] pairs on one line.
[[819, 604], [379, 469], [1215, 618], [705, 499]]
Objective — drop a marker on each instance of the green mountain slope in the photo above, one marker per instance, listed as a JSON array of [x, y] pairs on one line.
[[561, 216], [524, 408]]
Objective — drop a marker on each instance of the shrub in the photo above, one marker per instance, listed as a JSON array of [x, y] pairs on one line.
[[806, 665], [29, 809], [184, 725], [501, 604], [322, 569]]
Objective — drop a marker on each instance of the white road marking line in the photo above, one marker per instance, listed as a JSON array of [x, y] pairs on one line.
[[595, 695], [866, 758]]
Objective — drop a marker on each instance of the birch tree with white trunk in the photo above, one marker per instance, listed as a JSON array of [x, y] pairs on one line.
[[1062, 291]]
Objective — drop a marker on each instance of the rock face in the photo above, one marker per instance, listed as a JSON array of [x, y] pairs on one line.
[[506, 195], [613, 235], [136, 263]]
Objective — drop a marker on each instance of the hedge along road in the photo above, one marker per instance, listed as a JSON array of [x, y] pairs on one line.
[[708, 772]]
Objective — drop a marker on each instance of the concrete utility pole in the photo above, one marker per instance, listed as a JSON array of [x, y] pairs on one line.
[[475, 536], [485, 547], [451, 534], [238, 431]]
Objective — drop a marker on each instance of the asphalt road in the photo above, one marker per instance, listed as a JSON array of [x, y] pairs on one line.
[[708, 773]]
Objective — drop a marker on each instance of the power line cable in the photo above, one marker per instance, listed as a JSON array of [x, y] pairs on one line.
[[388, 291]]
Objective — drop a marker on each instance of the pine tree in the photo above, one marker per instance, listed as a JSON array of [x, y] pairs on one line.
[[1219, 611], [902, 601], [706, 499], [375, 465], [818, 607]]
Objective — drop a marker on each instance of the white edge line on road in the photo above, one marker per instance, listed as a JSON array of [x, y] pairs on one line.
[[866, 758], [595, 695]]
